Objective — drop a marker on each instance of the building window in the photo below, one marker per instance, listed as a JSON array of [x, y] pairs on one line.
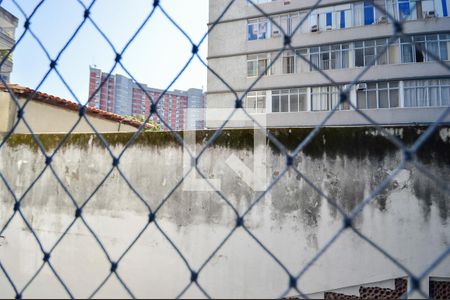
[[326, 98], [367, 51], [293, 100], [256, 102], [329, 57], [426, 93], [257, 65], [419, 48], [288, 62], [258, 29], [445, 7], [302, 64], [369, 13], [342, 19], [378, 95]]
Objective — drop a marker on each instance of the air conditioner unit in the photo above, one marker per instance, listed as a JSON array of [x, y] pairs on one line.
[[276, 33], [382, 20], [314, 28], [430, 14], [361, 86]]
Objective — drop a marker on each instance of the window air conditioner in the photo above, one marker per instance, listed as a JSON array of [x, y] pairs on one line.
[[361, 86], [382, 20], [314, 28], [430, 14], [346, 87]]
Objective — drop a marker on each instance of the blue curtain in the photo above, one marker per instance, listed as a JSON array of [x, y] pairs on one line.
[[403, 8], [342, 19], [369, 13], [329, 19], [444, 8]]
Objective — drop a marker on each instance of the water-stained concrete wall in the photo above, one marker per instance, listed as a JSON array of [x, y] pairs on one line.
[[409, 219]]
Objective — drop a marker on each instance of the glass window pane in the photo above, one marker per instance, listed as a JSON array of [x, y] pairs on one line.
[[294, 103], [324, 61], [345, 59], [284, 103], [443, 47], [302, 102], [262, 67], [384, 98], [382, 56], [403, 8], [314, 61], [252, 31], [369, 15], [434, 96], [371, 86], [251, 68], [361, 100], [433, 49], [421, 96], [251, 104], [371, 99], [359, 58], [261, 104], [275, 103], [393, 96], [394, 57], [445, 96], [407, 56]]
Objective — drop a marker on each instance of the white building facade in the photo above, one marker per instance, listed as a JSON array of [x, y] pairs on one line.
[[406, 83]]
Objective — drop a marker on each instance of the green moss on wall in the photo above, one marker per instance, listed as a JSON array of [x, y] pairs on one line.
[[354, 142]]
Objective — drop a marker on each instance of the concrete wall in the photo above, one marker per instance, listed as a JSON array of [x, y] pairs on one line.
[[45, 118], [410, 219]]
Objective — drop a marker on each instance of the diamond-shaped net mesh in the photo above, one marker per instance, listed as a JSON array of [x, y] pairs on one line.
[[114, 262]]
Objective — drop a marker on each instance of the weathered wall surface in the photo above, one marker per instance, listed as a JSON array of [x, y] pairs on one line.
[[410, 219], [45, 118]]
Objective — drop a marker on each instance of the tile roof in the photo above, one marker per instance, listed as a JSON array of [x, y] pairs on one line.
[[69, 105]]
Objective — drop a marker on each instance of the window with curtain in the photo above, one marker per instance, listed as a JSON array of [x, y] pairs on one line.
[[319, 98], [256, 102], [404, 10], [302, 65], [369, 13], [379, 95], [288, 62], [427, 93], [258, 29], [293, 100], [407, 51], [257, 65]]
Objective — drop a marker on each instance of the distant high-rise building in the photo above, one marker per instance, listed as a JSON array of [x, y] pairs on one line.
[[195, 117], [123, 96], [8, 25]]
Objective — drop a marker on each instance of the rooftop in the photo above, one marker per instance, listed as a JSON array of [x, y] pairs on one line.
[[67, 104]]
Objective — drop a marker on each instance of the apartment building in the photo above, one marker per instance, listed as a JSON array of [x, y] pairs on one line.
[[123, 96], [195, 115], [8, 25], [340, 38]]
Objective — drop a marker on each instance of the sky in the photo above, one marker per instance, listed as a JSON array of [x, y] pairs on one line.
[[155, 57]]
